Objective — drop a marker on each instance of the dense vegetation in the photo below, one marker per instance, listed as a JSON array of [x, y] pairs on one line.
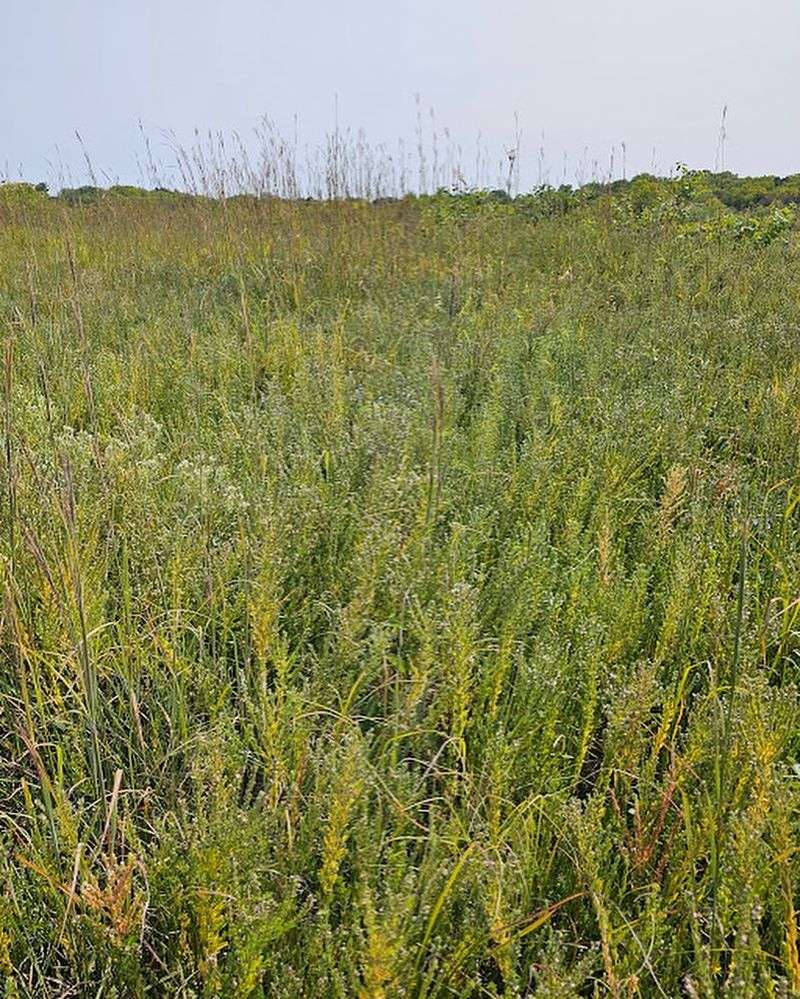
[[719, 190], [401, 599]]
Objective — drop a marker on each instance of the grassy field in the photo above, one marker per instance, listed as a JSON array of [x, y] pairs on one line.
[[400, 600]]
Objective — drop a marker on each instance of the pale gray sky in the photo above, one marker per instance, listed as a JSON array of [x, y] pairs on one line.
[[583, 75]]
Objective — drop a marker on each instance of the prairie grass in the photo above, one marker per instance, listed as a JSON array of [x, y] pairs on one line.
[[398, 600]]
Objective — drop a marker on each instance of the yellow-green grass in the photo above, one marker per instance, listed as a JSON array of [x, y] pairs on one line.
[[398, 600]]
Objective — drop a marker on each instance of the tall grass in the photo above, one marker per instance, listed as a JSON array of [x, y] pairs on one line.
[[376, 614]]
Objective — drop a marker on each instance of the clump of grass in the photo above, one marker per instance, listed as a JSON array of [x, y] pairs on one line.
[[374, 606]]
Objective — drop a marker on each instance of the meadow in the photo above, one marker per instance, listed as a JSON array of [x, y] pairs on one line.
[[400, 599]]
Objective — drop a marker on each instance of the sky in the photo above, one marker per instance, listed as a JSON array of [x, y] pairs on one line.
[[578, 78]]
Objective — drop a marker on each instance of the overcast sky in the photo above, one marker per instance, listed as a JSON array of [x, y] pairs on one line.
[[584, 76]]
